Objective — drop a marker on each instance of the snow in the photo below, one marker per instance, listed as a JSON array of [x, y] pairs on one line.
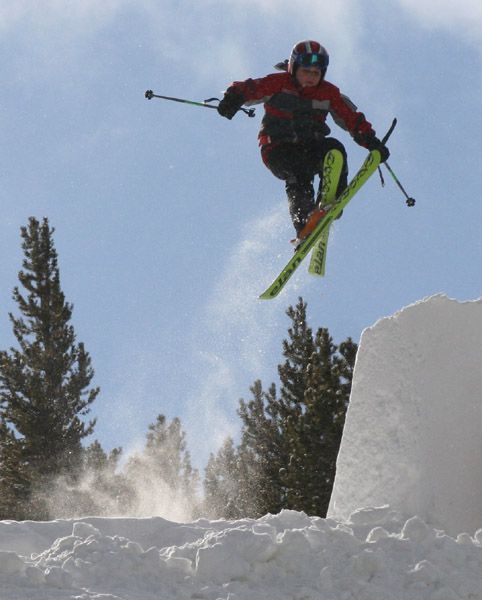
[[403, 522], [413, 433], [290, 556]]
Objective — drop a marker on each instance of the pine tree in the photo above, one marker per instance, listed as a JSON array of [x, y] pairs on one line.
[[14, 478], [162, 475], [327, 393], [107, 488], [297, 350], [290, 442], [99, 489], [263, 453], [43, 385], [103, 489], [167, 453], [95, 458], [222, 485]]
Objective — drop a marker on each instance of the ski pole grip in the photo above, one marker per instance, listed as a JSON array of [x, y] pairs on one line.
[[248, 111]]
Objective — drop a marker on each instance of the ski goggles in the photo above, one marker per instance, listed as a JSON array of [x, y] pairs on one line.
[[312, 60]]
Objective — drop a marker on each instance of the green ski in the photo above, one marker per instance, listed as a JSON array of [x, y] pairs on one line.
[[318, 256], [332, 166], [367, 169]]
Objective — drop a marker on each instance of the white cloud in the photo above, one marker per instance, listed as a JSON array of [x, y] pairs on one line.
[[463, 17], [76, 15], [339, 27], [53, 38], [186, 35]]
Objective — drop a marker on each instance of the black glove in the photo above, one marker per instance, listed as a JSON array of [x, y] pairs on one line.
[[230, 104], [370, 141], [376, 144]]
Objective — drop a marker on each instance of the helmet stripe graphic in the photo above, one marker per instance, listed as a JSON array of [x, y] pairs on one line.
[[308, 53]]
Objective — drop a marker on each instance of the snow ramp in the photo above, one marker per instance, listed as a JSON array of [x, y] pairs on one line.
[[413, 432]]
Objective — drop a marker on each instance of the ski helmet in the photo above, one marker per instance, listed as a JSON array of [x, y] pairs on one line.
[[308, 54]]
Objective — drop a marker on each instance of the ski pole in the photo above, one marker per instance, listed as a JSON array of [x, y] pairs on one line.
[[389, 132], [150, 94], [410, 201]]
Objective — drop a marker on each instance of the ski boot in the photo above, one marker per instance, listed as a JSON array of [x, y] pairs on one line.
[[301, 203]]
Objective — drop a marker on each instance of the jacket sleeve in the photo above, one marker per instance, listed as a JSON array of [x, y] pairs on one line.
[[346, 116], [255, 91]]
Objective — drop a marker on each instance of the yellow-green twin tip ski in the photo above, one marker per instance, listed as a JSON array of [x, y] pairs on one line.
[[332, 167], [366, 170]]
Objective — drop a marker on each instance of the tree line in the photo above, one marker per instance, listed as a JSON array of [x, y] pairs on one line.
[[285, 457]]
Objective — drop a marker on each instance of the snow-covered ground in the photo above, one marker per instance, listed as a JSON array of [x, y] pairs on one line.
[[415, 414], [289, 556]]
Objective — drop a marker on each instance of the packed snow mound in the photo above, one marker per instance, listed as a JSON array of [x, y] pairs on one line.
[[290, 556], [413, 432]]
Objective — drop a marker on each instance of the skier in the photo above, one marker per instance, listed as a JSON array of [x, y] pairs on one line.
[[294, 134]]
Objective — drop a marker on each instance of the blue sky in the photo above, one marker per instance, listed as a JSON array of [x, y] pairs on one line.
[[168, 225]]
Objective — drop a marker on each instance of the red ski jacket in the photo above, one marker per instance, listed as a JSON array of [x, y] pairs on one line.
[[294, 113]]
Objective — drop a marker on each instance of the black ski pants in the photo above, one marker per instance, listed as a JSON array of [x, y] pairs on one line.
[[298, 164]]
